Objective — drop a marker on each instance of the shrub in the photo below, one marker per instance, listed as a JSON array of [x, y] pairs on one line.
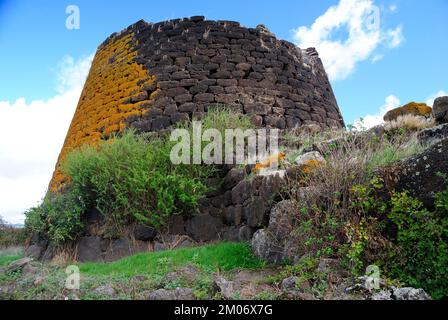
[[422, 237], [409, 122], [392, 151], [220, 117], [131, 178], [57, 218]]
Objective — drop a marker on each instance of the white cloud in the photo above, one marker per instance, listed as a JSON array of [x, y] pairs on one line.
[[431, 98], [361, 20], [371, 121], [377, 57], [32, 136]]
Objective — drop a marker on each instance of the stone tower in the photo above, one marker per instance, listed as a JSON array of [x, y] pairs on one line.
[[152, 75]]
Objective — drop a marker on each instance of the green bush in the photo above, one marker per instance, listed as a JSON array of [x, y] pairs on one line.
[[58, 218], [131, 178], [422, 238]]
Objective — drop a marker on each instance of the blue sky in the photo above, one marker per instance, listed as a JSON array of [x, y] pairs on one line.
[[34, 39], [43, 64]]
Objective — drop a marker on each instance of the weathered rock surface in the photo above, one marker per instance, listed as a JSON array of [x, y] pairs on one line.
[[440, 110], [269, 243], [89, 249], [412, 108], [177, 294], [105, 290], [226, 288], [420, 174], [266, 247], [35, 251], [145, 233], [434, 135], [204, 227], [410, 294], [305, 159]]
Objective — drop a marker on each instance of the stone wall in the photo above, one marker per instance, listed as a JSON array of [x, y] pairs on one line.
[[150, 76]]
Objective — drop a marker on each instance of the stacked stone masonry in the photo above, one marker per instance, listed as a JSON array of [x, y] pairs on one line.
[[153, 75]]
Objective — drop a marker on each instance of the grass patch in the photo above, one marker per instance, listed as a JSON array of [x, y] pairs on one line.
[[223, 256], [5, 260]]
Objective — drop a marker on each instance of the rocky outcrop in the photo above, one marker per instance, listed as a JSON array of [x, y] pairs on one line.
[[440, 110], [270, 243], [434, 135], [420, 174], [412, 108]]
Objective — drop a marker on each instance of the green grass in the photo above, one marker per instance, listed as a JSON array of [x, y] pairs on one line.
[[5, 260], [391, 154], [223, 256]]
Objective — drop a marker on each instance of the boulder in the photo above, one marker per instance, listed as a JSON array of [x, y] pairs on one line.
[[434, 135], [159, 246], [410, 294], [230, 234], [106, 290], [269, 244], [35, 251], [245, 233], [233, 177], [266, 247], [420, 174], [145, 233], [226, 288], [186, 274], [289, 284], [49, 253], [440, 109], [241, 192], [412, 108], [17, 265], [382, 295], [122, 247], [295, 287], [177, 294], [281, 221], [89, 250], [176, 225], [257, 213], [204, 227], [306, 158], [308, 162]]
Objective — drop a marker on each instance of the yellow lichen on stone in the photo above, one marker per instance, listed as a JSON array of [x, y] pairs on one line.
[[105, 102], [310, 166], [413, 108], [272, 161]]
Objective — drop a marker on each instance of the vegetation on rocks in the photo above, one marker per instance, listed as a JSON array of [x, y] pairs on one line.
[[128, 178], [412, 108], [343, 211]]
